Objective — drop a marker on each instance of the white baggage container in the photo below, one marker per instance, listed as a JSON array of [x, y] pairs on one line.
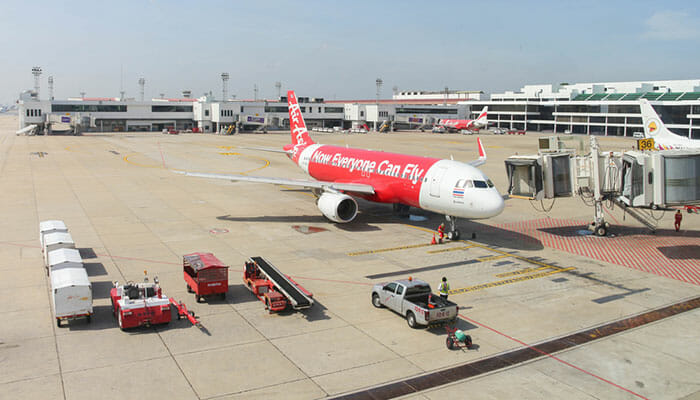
[[64, 258], [50, 226], [54, 241], [71, 294]]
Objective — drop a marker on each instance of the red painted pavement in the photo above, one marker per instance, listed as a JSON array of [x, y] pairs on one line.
[[666, 253]]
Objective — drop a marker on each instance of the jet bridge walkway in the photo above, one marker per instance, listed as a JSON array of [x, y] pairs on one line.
[[288, 287]]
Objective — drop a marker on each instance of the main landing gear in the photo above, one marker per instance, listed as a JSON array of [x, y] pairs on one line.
[[402, 210], [452, 233]]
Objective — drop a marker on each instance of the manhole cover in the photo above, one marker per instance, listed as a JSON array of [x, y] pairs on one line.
[[217, 231], [39, 153], [307, 229]]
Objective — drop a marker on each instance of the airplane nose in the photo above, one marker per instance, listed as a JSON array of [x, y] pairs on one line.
[[495, 205]]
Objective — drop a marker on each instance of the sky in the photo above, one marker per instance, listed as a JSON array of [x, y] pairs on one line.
[[337, 50]]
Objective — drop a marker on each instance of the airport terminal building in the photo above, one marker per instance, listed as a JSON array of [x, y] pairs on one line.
[[209, 115], [604, 108]]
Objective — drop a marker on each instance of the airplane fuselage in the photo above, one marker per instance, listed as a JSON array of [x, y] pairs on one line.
[[443, 186]]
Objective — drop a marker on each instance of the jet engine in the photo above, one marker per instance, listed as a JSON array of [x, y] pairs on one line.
[[337, 207]]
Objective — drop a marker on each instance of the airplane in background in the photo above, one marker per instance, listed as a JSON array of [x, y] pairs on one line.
[[452, 188], [461, 124], [655, 129]]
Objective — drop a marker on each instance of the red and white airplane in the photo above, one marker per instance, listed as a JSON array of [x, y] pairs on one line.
[[452, 188], [460, 124]]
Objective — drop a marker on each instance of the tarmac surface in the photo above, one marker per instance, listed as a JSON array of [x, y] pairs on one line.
[[528, 277]]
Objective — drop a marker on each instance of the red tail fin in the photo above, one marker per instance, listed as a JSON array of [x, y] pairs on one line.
[[300, 136]]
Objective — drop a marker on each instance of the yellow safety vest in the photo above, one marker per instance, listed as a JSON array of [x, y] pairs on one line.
[[444, 288]]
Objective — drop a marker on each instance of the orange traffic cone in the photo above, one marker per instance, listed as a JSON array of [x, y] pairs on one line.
[[433, 241]]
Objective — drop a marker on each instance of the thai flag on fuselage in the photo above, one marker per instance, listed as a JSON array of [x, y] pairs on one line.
[[458, 192]]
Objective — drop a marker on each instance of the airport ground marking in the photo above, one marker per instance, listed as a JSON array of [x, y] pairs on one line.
[[491, 258], [412, 246], [544, 353], [126, 158], [502, 282], [232, 153], [521, 272], [450, 249]]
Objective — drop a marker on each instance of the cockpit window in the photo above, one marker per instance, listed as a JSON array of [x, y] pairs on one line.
[[480, 184], [460, 183], [488, 182], [468, 184]]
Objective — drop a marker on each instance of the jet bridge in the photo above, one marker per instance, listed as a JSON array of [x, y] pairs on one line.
[[633, 180]]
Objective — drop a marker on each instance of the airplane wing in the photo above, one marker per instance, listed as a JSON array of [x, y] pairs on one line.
[[312, 184], [482, 155]]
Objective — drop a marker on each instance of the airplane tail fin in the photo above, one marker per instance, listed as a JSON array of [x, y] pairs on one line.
[[300, 135], [482, 154], [482, 116], [654, 128]]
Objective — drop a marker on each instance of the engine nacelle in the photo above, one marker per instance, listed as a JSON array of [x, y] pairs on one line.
[[337, 207]]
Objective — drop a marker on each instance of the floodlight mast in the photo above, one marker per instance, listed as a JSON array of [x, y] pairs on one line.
[[224, 88], [36, 71]]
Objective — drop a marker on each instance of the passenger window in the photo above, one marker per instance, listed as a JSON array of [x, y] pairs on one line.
[[399, 289], [391, 287]]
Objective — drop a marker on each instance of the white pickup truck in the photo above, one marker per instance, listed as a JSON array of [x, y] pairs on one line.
[[413, 299]]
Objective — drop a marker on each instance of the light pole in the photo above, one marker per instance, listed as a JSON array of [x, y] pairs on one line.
[[224, 89], [379, 83], [36, 71], [142, 84], [50, 87]]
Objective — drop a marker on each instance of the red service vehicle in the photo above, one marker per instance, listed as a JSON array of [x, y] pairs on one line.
[[516, 132], [140, 304], [273, 288], [205, 275], [692, 209]]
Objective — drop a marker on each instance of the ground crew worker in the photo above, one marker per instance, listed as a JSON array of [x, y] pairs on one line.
[[441, 232], [444, 288], [679, 218]]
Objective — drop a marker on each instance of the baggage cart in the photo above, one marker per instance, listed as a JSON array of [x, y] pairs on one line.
[[71, 295], [205, 275]]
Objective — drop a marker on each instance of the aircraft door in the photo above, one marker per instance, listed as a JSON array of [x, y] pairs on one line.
[[435, 180]]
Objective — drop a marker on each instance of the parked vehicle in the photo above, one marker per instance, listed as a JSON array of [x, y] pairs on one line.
[[638, 135], [205, 275], [413, 299], [272, 287], [139, 304], [438, 129], [71, 294], [499, 131]]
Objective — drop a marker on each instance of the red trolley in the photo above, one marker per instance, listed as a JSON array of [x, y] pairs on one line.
[[205, 275]]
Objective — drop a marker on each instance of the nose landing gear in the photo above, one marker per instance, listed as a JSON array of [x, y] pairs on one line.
[[453, 233]]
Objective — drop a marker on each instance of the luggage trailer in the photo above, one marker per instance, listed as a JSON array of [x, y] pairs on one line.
[[205, 275], [274, 288]]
